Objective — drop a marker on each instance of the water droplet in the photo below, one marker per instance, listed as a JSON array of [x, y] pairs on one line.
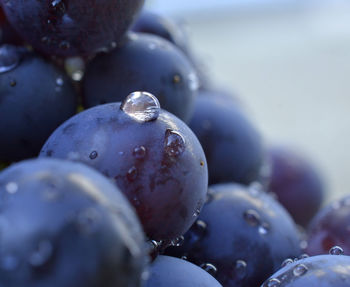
[[9, 58], [273, 282], [59, 82], [13, 82], [11, 187], [87, 220], [264, 228], [198, 230], [299, 270], [184, 257], [141, 106], [241, 269], [193, 81], [174, 143], [176, 79], [287, 262], [178, 241], [42, 254], [58, 8], [336, 250], [9, 262], [304, 256], [139, 152], [136, 201], [93, 155], [201, 163], [251, 217], [210, 268], [132, 174], [198, 209]]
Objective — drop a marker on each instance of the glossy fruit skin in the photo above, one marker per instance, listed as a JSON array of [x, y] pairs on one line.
[[166, 191], [330, 227], [320, 271], [168, 271], [65, 224], [74, 27], [164, 27], [35, 98], [144, 63], [8, 35], [296, 182], [244, 251], [232, 145]]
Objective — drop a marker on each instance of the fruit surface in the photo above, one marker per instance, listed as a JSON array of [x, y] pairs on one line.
[[320, 271], [74, 27], [232, 145], [65, 225], [152, 156], [144, 63], [241, 236], [168, 271], [330, 227], [35, 98]]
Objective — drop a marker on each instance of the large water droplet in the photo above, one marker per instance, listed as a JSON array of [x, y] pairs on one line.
[[210, 268], [273, 282], [9, 58], [251, 217], [241, 269], [139, 152], [42, 254], [174, 143], [336, 250], [11, 187], [299, 270], [141, 106]]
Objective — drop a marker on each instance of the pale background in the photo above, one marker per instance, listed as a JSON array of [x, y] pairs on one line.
[[289, 61]]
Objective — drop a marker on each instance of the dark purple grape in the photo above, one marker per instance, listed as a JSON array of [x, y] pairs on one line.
[[232, 145], [8, 35], [65, 225], [330, 227], [242, 235], [35, 98], [153, 157], [144, 63], [316, 271], [297, 184], [74, 27], [168, 271]]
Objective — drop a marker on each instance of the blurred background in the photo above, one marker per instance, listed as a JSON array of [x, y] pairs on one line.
[[289, 62]]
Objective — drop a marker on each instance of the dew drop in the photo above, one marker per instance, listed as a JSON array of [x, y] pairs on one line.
[[9, 58], [178, 241], [198, 209], [132, 174], [57, 7], [93, 155], [11, 187], [198, 230], [264, 228], [251, 217], [139, 152], [336, 250], [9, 262], [42, 254], [241, 269], [174, 143], [141, 106], [304, 256], [210, 268], [287, 262], [273, 282], [299, 270]]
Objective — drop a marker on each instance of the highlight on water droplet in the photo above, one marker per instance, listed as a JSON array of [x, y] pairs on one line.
[[9, 58], [264, 228], [193, 81], [336, 250], [210, 268], [139, 152], [174, 144], [300, 270], [287, 262], [252, 217], [241, 269], [59, 82], [141, 106], [11, 187], [93, 155], [273, 282], [132, 174]]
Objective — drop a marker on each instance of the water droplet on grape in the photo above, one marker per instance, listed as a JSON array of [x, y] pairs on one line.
[[336, 250], [58, 8], [93, 155], [273, 282], [139, 152], [132, 174], [241, 269], [42, 254], [178, 241], [210, 268], [141, 106], [11, 187], [193, 81], [264, 228], [287, 262], [174, 143], [299, 270], [251, 217], [9, 58]]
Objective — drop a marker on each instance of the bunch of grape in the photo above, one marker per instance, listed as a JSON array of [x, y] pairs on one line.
[[111, 134]]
